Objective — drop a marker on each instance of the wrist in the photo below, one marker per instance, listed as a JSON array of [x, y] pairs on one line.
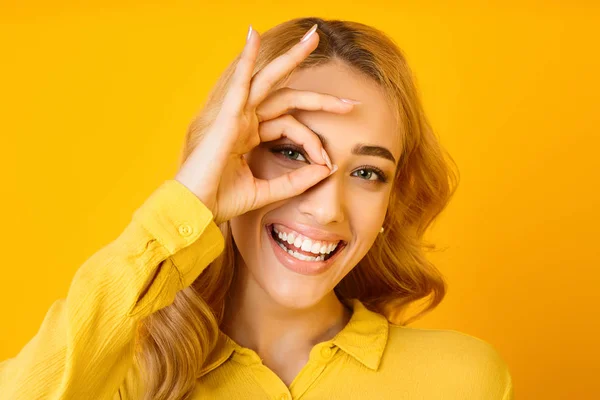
[[205, 196]]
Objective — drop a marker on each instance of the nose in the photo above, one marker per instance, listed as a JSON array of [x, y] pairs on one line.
[[324, 202]]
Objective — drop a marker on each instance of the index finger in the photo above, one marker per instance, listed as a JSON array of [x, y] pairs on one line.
[[236, 96], [266, 78]]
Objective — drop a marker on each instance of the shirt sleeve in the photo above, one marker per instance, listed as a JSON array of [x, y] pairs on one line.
[[85, 345], [509, 391], [485, 372]]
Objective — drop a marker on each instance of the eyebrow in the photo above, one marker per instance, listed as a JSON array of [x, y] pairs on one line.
[[362, 149]]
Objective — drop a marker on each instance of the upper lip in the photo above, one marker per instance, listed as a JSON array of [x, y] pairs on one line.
[[310, 232]]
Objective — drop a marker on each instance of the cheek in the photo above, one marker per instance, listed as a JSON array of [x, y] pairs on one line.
[[367, 212], [244, 230], [248, 234]]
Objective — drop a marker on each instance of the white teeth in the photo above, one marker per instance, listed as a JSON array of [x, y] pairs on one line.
[[309, 245], [306, 245], [315, 248], [282, 246], [303, 257], [298, 242], [291, 237], [299, 256]]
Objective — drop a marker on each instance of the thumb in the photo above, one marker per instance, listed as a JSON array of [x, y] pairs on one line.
[[290, 184]]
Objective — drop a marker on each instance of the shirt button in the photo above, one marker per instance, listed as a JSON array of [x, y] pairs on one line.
[[284, 396], [185, 230], [326, 352]]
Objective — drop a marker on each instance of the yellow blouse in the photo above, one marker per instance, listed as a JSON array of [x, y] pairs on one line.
[[84, 347]]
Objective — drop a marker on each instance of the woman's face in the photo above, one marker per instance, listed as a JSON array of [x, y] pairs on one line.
[[336, 220]]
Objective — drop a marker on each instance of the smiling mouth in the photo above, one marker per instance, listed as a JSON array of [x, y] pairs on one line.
[[304, 255]]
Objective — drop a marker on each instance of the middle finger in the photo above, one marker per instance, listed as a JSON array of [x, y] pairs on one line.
[[285, 99]]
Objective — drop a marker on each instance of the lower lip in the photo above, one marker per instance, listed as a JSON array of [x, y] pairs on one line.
[[300, 266]]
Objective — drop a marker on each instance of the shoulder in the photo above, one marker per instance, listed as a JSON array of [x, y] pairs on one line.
[[455, 359], [443, 343]]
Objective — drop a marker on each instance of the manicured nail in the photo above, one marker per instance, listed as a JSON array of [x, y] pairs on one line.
[[327, 159], [350, 101], [335, 168], [309, 33], [249, 33]]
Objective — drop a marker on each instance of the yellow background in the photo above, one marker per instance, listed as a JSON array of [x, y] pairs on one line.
[[95, 101]]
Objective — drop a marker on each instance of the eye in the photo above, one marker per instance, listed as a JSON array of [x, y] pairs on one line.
[[290, 152], [370, 174], [293, 155]]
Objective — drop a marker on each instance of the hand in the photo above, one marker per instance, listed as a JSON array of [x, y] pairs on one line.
[[251, 113]]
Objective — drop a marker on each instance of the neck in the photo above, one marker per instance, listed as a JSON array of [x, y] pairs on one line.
[[253, 320]]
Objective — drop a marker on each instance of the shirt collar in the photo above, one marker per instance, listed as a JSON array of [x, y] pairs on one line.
[[364, 338], [365, 335]]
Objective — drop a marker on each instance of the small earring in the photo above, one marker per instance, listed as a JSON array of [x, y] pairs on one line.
[[381, 230]]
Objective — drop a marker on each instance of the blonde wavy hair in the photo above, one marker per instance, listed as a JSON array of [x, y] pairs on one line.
[[174, 342]]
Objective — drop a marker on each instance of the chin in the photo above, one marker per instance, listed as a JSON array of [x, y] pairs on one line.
[[285, 270], [293, 301], [290, 282]]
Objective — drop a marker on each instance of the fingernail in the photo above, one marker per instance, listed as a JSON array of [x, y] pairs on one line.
[[249, 33], [326, 157], [335, 168], [309, 33], [350, 101]]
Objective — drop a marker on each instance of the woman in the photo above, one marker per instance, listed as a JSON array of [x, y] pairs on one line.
[[280, 260]]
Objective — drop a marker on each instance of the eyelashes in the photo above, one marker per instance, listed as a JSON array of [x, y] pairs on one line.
[[288, 150], [293, 152], [370, 170]]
